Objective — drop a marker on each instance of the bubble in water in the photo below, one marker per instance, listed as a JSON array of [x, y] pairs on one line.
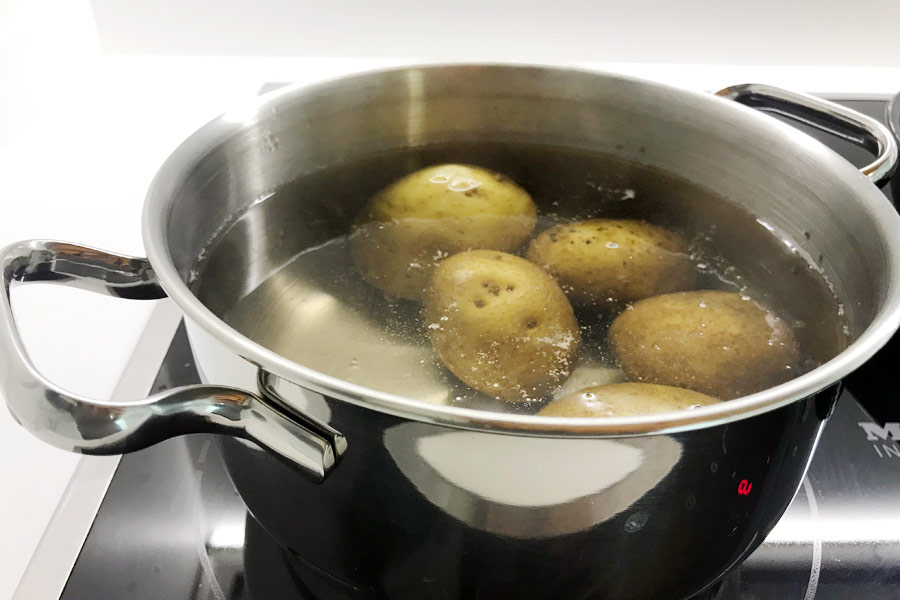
[[636, 522], [611, 245], [702, 304], [439, 179]]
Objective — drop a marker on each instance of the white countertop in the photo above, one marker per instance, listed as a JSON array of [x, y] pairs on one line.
[[81, 135]]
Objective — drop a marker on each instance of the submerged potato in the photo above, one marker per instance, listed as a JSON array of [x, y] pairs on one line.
[[501, 325], [408, 227], [610, 260], [713, 342], [625, 399]]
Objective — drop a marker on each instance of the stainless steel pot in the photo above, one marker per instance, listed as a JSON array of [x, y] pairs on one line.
[[382, 496]]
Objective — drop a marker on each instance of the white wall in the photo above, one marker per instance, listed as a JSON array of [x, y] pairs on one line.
[[760, 32]]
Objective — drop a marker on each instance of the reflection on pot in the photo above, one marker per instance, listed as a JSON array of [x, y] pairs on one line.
[[527, 487]]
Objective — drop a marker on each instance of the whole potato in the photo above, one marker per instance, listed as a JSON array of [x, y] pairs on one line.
[[501, 325], [714, 342], [407, 228], [624, 399], [610, 260]]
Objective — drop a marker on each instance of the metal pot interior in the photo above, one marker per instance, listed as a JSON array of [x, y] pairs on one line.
[[691, 160]]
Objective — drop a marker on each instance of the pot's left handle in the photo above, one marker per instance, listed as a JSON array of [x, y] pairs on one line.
[[88, 426]]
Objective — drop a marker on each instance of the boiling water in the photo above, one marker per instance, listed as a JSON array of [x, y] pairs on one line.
[[307, 301]]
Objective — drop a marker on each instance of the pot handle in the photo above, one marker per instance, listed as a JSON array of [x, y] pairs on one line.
[[826, 116], [87, 426]]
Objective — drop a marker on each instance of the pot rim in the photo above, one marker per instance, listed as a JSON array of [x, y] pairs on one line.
[[880, 330]]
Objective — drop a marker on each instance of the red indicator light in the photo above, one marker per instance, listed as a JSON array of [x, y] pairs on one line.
[[744, 487]]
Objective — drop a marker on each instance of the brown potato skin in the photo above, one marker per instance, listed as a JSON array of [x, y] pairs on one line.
[[613, 260], [623, 400], [403, 231], [501, 324], [710, 341]]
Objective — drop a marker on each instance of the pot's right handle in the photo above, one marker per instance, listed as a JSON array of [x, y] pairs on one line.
[[88, 426], [827, 116]]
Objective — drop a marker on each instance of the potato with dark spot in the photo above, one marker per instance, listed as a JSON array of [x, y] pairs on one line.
[[616, 261], [625, 399], [715, 342], [407, 228], [501, 324]]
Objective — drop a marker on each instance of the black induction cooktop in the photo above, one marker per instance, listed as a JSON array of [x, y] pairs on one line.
[[171, 525]]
